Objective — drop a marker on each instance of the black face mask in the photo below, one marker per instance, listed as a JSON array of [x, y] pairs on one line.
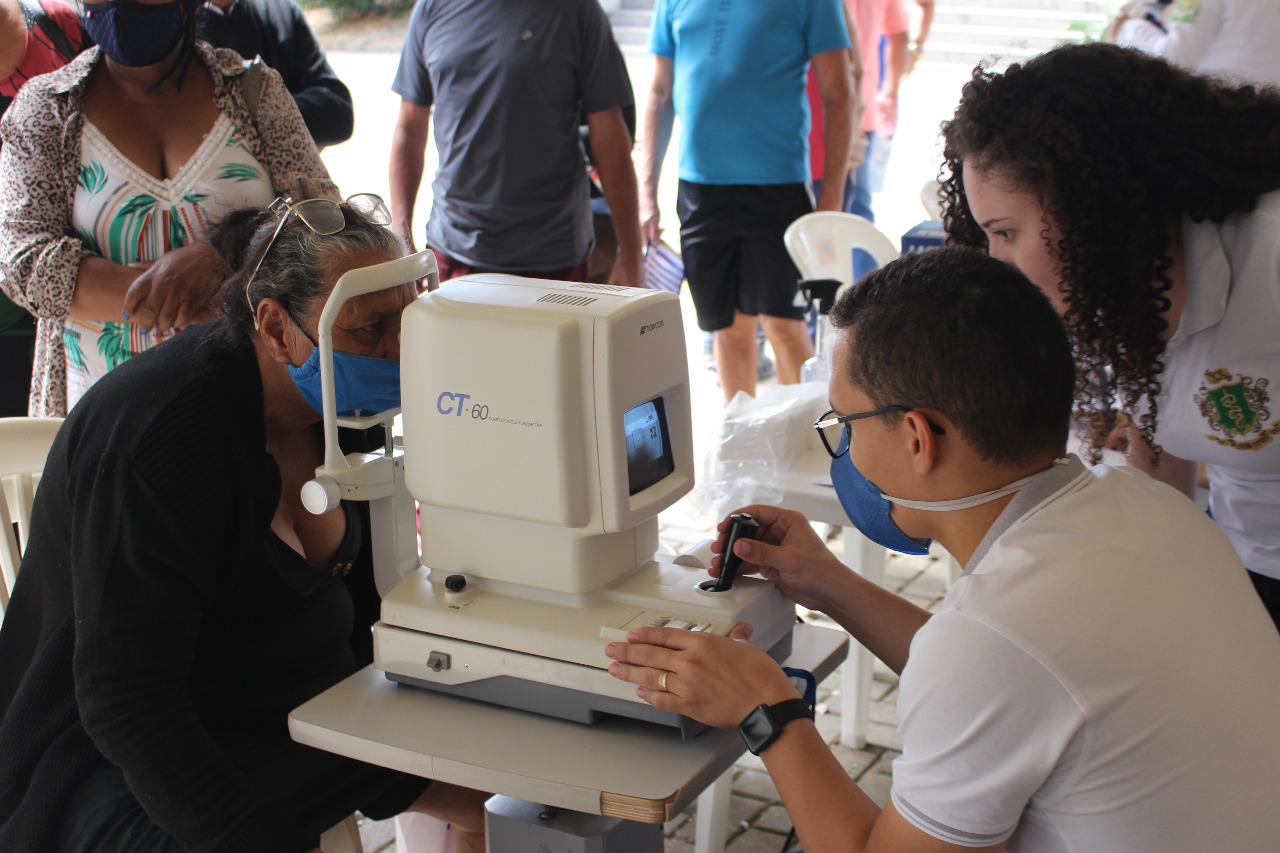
[[133, 33]]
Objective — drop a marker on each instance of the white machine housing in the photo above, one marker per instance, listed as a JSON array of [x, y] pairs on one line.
[[546, 424], [515, 398]]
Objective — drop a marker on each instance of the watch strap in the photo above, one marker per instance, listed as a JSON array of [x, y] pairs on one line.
[[778, 715]]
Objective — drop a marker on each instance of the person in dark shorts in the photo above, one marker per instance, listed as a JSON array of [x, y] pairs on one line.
[[736, 78]]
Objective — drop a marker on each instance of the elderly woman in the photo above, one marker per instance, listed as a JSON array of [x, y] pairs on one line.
[[176, 601], [112, 170], [1144, 201]]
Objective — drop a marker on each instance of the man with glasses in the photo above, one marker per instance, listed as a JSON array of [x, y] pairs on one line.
[[1067, 692]]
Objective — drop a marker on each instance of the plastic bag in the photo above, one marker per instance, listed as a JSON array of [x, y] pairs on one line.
[[753, 446]]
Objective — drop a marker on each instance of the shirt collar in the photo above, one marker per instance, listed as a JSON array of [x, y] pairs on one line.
[[1029, 500], [74, 73]]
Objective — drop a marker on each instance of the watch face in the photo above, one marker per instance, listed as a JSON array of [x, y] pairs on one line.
[[757, 729]]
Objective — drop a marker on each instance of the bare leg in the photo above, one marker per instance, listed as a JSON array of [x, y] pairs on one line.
[[736, 356], [462, 808], [791, 344]]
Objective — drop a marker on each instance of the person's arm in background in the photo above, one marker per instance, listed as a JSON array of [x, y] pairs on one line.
[[611, 145], [835, 87], [916, 46], [895, 67], [659, 120], [279, 129], [857, 139], [408, 148]]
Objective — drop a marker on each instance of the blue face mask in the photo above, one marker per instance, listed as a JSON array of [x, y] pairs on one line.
[[134, 34], [361, 384], [868, 507]]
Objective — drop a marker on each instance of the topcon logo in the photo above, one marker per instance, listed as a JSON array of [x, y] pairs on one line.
[[651, 327]]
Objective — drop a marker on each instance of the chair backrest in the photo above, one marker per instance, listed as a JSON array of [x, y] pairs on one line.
[[929, 198], [822, 244], [24, 445]]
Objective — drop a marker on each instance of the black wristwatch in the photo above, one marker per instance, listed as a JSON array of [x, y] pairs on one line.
[[763, 725]]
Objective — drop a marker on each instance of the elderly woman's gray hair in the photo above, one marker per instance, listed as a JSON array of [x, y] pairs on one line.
[[298, 264]]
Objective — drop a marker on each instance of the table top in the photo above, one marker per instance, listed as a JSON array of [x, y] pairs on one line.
[[616, 767], [817, 502]]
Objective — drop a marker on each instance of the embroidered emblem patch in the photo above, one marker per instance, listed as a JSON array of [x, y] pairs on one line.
[[1236, 407], [1184, 11]]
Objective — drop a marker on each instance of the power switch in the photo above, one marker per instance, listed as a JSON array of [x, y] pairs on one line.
[[438, 661]]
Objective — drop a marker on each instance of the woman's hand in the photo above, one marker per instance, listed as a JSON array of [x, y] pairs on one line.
[[178, 289], [716, 680], [787, 552]]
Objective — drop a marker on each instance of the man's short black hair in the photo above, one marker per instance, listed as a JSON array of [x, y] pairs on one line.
[[963, 334]]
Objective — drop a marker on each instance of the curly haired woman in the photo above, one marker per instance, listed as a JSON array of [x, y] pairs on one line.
[[1142, 200]]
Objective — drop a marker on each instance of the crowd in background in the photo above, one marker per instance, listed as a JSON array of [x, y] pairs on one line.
[[169, 231]]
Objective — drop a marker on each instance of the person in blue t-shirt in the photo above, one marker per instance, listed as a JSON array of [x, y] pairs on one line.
[[734, 72]]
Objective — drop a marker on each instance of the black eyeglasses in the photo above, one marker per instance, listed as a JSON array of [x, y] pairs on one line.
[[836, 432], [324, 217]]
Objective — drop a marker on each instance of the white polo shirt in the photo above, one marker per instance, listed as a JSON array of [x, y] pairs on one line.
[[1102, 677], [1221, 368]]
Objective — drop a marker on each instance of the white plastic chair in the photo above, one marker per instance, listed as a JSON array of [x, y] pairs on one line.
[[821, 244], [929, 198], [24, 445]]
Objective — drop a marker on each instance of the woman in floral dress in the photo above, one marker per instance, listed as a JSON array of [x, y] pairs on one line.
[[112, 171]]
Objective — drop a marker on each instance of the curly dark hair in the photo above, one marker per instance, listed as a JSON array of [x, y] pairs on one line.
[[1116, 146]]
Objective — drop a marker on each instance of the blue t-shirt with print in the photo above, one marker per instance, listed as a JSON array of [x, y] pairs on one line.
[[740, 69]]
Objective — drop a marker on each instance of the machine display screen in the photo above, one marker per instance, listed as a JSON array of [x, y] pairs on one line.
[[648, 448]]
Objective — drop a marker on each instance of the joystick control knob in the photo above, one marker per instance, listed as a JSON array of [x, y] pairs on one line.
[[741, 526]]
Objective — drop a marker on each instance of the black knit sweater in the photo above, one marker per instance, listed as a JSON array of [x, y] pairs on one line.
[[157, 623], [277, 30]]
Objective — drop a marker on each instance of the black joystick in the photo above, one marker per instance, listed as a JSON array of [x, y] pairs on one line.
[[741, 526]]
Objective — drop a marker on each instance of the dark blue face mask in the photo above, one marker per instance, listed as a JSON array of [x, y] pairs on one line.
[[134, 34], [361, 385]]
